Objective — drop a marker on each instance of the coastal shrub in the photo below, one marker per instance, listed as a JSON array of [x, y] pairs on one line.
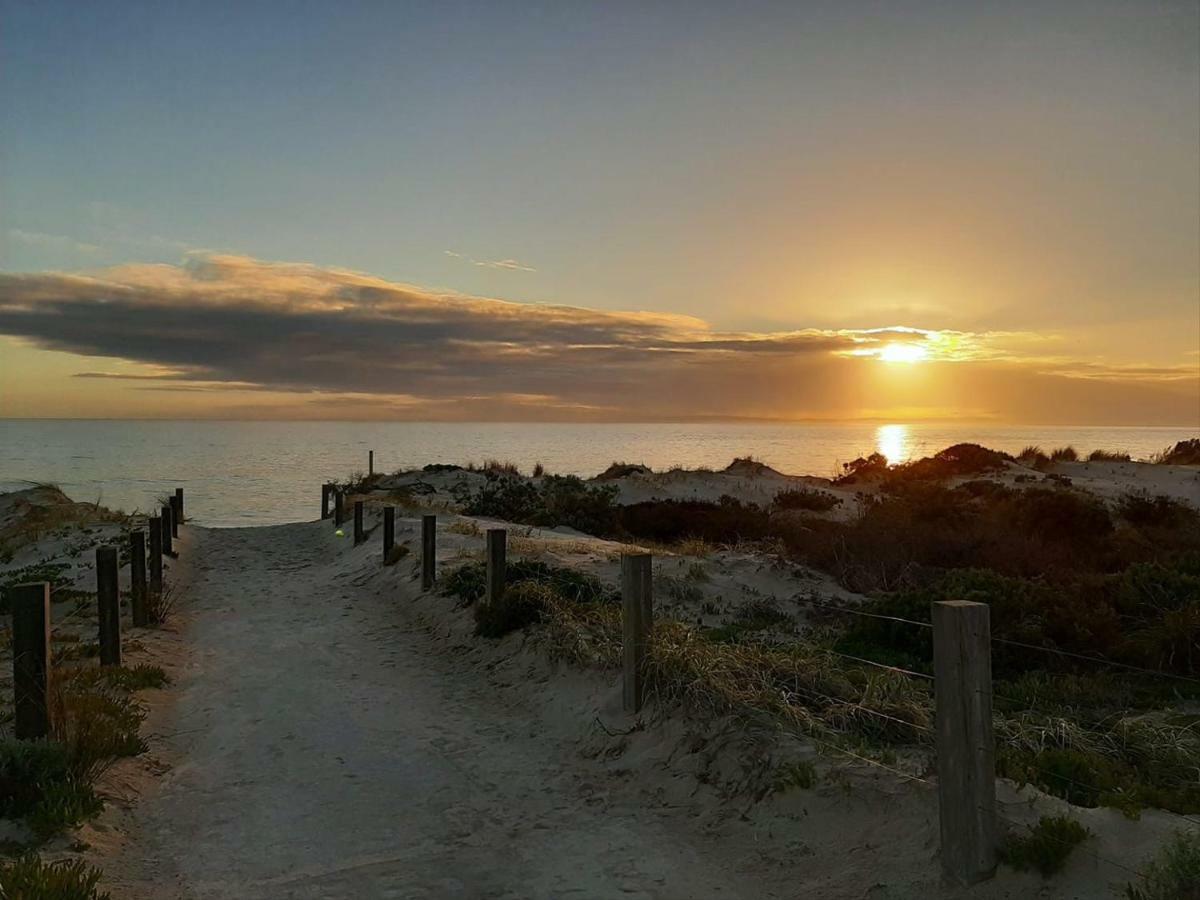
[[556, 500], [29, 878], [510, 499], [806, 499], [519, 606], [40, 784], [623, 470], [1142, 509], [1109, 456], [1064, 454], [954, 461], [863, 469], [1046, 845], [747, 466], [568, 500], [1033, 456], [799, 774], [48, 783], [1184, 453], [1174, 874], [469, 582], [670, 521]]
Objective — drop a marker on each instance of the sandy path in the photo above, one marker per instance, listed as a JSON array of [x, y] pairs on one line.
[[322, 748]]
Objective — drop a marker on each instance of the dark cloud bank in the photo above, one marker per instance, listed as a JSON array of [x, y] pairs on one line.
[[222, 323]]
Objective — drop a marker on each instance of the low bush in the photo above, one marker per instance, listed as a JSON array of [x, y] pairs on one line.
[[1046, 846], [670, 521], [41, 785], [1064, 454], [1174, 874], [29, 878], [865, 468], [555, 500], [1033, 456], [1108, 456], [1142, 509], [955, 461], [48, 784], [469, 582], [1184, 453], [521, 605], [806, 499]]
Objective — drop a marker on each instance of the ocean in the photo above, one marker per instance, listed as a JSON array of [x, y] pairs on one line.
[[260, 473]]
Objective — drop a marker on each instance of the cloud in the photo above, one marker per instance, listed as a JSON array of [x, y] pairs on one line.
[[511, 264], [228, 323]]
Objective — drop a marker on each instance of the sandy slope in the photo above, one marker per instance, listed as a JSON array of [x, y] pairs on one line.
[[332, 732]]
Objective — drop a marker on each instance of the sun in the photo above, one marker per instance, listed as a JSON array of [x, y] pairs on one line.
[[903, 353]]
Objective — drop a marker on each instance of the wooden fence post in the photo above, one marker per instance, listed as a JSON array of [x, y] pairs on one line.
[[137, 579], [966, 772], [156, 555], [370, 463], [168, 530], [389, 531], [179, 503], [173, 501], [339, 508], [108, 597], [637, 602], [428, 552], [326, 492], [31, 659], [497, 560], [359, 535]]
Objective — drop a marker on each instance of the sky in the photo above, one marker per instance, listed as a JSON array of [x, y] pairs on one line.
[[601, 212]]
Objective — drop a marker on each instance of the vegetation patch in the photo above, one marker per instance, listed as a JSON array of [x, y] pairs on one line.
[[48, 784], [1184, 453], [1174, 874], [552, 501], [1046, 845], [29, 878], [806, 499]]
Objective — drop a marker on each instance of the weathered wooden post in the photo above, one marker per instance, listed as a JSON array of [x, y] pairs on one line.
[[339, 508], [966, 772], [389, 531], [497, 553], [370, 463], [179, 516], [108, 597], [168, 529], [637, 601], [137, 579], [173, 501], [31, 659], [428, 552], [359, 535], [326, 492]]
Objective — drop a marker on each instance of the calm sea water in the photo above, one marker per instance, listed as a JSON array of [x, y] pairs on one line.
[[254, 473]]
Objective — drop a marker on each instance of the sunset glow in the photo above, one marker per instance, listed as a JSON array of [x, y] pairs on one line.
[[903, 353], [815, 212]]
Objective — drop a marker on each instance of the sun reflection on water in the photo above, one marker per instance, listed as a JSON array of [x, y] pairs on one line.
[[894, 442]]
